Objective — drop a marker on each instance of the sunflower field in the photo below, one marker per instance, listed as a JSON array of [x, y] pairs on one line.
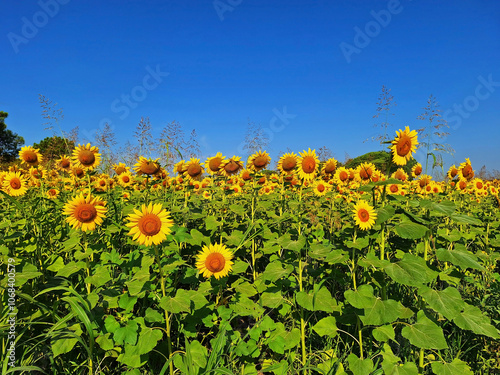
[[226, 267]]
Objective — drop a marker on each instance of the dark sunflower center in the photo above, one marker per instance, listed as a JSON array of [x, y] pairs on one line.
[[467, 171], [418, 170], [288, 164], [30, 157], [330, 168], [423, 182], [126, 179], [343, 176], [65, 163], [86, 157], [404, 146], [363, 215], [261, 181], [231, 167], [149, 167], [260, 162], [85, 212], [321, 188], [453, 173], [119, 170], [194, 170], [479, 185], [394, 188], [15, 183], [52, 192], [365, 173], [149, 225], [214, 164], [308, 164], [79, 172], [215, 262], [102, 183], [246, 176]]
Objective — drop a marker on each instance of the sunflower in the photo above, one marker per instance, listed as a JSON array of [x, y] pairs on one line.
[[452, 172], [394, 189], [307, 164], [287, 163], [320, 187], [465, 170], [329, 167], [365, 171], [84, 212], [214, 260], [207, 195], [231, 166], [245, 175], [194, 170], [101, 183], [125, 179], [150, 225], [341, 176], [423, 181], [478, 185], [258, 161], [416, 170], [120, 168], [212, 164], [86, 157], [147, 166], [77, 172], [364, 215], [52, 193], [404, 145], [64, 163], [180, 167], [400, 175], [14, 184], [30, 156]]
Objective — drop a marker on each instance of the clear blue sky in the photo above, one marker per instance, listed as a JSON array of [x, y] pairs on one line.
[[250, 60]]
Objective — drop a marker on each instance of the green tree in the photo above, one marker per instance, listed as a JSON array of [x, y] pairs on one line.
[[381, 160], [10, 143], [53, 147]]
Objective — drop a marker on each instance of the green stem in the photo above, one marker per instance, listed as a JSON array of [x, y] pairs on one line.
[[167, 320], [302, 322]]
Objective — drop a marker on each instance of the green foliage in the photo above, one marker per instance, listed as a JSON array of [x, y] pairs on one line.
[[10, 143], [381, 160], [52, 148]]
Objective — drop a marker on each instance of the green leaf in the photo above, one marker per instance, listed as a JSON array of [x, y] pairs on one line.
[[148, 338], [71, 268], [197, 238], [384, 214], [211, 223], [100, 277], [411, 271], [425, 333], [127, 302], [410, 230], [153, 316], [127, 334], [392, 364], [105, 342], [326, 327], [456, 367], [237, 209], [287, 243], [275, 271], [29, 272], [384, 333], [271, 300], [244, 288], [464, 219], [461, 258], [472, 318], [111, 324], [447, 302], [305, 300], [277, 345], [63, 344], [359, 366]]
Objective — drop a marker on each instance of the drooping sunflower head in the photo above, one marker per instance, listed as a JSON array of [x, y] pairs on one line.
[[307, 165], [365, 171], [85, 212], [404, 145], [416, 170], [329, 167], [149, 225], [214, 260], [213, 164], [258, 161], [364, 215], [30, 156], [180, 167], [120, 168], [400, 175], [452, 172], [231, 166], [86, 157], [287, 163], [465, 170], [14, 184], [145, 166], [64, 163], [194, 170]]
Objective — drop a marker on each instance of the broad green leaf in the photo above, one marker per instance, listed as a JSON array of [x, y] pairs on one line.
[[305, 300], [148, 338], [275, 271], [111, 324], [197, 238], [244, 306], [127, 302], [359, 366], [410, 230], [326, 327], [277, 345], [100, 277], [237, 209], [425, 333], [472, 318], [244, 288], [211, 223], [29, 272], [384, 333], [411, 271], [462, 258], [464, 219], [127, 334], [447, 302], [63, 343], [153, 316], [456, 367], [271, 300], [287, 243], [361, 298], [71, 268], [392, 364], [384, 214], [105, 342]]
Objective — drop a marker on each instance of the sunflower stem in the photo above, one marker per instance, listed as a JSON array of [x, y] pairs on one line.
[[167, 320]]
